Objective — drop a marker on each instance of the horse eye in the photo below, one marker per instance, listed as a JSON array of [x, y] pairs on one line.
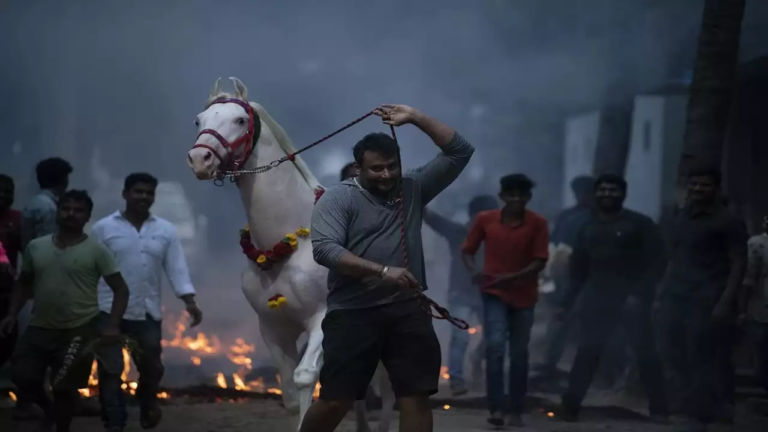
[[197, 123], [241, 121]]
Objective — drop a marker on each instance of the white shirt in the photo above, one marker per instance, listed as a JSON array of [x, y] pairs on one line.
[[142, 256]]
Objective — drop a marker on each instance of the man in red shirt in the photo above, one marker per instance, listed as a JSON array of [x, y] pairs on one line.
[[516, 249], [10, 237]]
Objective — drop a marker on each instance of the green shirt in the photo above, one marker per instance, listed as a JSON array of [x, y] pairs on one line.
[[66, 281]]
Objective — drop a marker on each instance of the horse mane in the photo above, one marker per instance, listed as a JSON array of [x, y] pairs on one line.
[[282, 138]]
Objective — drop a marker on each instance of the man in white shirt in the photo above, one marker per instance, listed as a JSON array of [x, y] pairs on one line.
[[144, 246]]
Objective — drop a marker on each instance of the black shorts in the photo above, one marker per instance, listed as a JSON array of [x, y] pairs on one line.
[[62, 350], [400, 335]]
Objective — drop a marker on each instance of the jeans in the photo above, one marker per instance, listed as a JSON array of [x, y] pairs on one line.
[[457, 349], [147, 335], [600, 323], [504, 324], [698, 352]]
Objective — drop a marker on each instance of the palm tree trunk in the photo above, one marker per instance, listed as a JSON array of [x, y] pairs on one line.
[[711, 91]]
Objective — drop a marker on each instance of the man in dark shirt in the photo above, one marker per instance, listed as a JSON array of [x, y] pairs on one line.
[[616, 263], [708, 251], [10, 238], [566, 227], [348, 171], [463, 298]]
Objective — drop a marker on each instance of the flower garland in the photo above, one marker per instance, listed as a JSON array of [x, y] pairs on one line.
[[276, 301], [281, 250]]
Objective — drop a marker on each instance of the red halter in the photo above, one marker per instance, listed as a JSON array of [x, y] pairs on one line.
[[247, 141]]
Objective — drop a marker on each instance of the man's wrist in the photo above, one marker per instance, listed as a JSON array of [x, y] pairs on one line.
[[188, 299], [417, 118], [383, 271]]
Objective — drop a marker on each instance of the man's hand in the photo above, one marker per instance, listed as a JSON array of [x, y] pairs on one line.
[[7, 325], [110, 335], [396, 115], [400, 276], [500, 279], [194, 311]]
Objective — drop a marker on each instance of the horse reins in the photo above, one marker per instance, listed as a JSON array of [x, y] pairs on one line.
[[427, 304]]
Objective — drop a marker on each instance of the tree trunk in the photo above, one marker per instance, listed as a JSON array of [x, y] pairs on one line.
[[711, 91]]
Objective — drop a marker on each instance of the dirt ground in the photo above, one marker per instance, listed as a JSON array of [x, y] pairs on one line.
[[268, 415]]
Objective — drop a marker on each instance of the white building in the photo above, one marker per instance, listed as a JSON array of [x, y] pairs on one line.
[[658, 125]]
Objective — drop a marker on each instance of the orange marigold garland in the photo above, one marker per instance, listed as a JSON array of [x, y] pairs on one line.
[[281, 250]]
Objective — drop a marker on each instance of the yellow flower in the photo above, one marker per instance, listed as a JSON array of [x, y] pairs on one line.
[[291, 236], [247, 228], [294, 243], [302, 232], [261, 259], [272, 304], [281, 300]]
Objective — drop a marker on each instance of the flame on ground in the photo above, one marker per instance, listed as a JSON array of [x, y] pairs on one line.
[[202, 346]]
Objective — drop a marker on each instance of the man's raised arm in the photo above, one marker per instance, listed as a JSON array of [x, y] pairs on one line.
[[441, 171], [330, 219]]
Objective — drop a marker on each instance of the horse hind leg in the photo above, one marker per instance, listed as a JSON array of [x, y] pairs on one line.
[[361, 417], [307, 372], [281, 344]]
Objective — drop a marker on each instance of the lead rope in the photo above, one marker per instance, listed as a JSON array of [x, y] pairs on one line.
[[427, 304]]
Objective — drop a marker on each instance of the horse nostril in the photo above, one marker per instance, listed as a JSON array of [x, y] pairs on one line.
[[207, 156], [189, 158]]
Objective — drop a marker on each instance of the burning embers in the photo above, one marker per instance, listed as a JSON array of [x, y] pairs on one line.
[[201, 347]]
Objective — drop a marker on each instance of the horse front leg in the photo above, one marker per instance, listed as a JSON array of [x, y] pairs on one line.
[[281, 343], [308, 371]]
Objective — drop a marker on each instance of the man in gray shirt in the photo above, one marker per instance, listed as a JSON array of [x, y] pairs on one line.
[[367, 231]]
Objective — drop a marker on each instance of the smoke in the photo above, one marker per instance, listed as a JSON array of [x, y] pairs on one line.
[[129, 77]]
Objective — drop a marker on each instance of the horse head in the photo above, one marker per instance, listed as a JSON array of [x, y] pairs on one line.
[[228, 129]]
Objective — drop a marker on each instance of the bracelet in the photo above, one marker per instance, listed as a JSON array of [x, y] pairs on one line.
[[383, 272]]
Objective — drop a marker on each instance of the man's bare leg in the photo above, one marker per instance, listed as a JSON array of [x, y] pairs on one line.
[[325, 415], [415, 414]]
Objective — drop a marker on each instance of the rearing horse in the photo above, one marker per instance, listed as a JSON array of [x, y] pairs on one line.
[[234, 134]]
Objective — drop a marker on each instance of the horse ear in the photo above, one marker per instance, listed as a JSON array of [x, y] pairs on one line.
[[215, 91], [240, 90]]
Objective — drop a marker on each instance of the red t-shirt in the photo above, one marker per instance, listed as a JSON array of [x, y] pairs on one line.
[[509, 248], [10, 236]]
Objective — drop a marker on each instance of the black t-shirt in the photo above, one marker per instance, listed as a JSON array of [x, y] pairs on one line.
[[617, 256], [700, 246]]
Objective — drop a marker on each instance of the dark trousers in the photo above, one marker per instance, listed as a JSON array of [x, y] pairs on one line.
[[599, 323], [8, 342], [699, 355], [502, 325], [147, 334]]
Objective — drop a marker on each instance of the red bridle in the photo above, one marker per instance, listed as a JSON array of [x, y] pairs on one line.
[[247, 141]]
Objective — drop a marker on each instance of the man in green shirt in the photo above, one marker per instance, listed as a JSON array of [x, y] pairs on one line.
[[61, 271]]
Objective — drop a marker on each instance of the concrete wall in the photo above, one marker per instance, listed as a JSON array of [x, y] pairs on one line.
[[656, 137]]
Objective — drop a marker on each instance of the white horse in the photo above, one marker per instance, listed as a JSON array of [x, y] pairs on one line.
[[277, 202]]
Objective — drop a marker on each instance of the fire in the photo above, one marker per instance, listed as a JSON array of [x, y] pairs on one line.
[[12, 395], [446, 407], [195, 360], [221, 381], [201, 343]]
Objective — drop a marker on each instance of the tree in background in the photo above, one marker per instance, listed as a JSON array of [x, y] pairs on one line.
[[711, 91]]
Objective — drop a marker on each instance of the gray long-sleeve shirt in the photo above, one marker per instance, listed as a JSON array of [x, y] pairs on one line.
[[348, 218]]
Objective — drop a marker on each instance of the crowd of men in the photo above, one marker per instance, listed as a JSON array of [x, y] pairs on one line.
[[89, 293], [695, 282], [681, 295]]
